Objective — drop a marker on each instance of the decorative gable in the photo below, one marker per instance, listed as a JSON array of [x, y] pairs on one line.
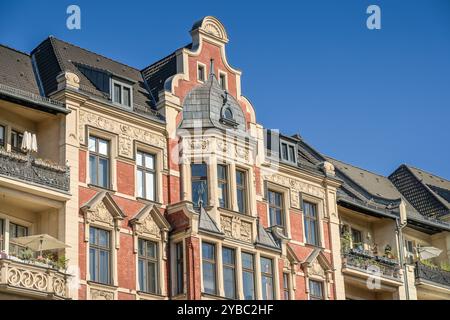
[[317, 266]]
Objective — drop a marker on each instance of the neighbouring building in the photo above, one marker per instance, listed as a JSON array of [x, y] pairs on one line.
[[160, 184]]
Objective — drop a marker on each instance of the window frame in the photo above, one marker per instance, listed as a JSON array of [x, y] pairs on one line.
[[122, 86], [307, 218], [148, 259], [13, 248], [244, 188], [281, 208], [4, 141], [224, 185], [268, 276], [202, 67], [19, 137], [231, 267], [224, 84], [144, 171], [322, 289], [97, 248], [199, 179], [214, 265], [286, 286], [97, 156], [179, 266], [289, 146], [249, 271]]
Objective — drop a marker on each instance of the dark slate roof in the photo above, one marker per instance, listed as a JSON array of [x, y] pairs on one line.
[[18, 82], [16, 70], [265, 238], [206, 223], [428, 193], [203, 107], [157, 73], [54, 56]]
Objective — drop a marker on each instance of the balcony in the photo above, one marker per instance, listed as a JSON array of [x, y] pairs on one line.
[[32, 280], [366, 262], [432, 274], [28, 169]]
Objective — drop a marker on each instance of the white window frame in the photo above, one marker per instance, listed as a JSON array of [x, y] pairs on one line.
[[288, 144], [122, 86]]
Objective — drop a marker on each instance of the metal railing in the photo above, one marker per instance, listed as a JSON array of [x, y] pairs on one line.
[[28, 95], [432, 274], [367, 262], [28, 169]]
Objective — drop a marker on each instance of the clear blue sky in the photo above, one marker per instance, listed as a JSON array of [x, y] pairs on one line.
[[375, 99]]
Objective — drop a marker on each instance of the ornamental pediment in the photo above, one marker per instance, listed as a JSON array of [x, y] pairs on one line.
[[150, 222], [102, 209]]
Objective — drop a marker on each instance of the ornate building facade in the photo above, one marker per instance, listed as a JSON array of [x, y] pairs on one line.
[[163, 185]]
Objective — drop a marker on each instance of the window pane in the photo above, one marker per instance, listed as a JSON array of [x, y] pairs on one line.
[[104, 266], [267, 288], [151, 249], [150, 186], [284, 151], [152, 277], [240, 178], [139, 158], [179, 266], [198, 170], [209, 281], [149, 161], [92, 144], [103, 147], [103, 173], [93, 169], [208, 251], [229, 282], [93, 264], [142, 275], [117, 97], [201, 73], [199, 189], [103, 238], [316, 290], [248, 285], [240, 200], [291, 153], [140, 184], [126, 96], [247, 261], [2, 135], [266, 265], [228, 256], [92, 235]]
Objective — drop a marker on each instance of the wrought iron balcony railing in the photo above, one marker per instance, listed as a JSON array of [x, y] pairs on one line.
[[28, 169], [432, 274], [33, 280], [369, 263]]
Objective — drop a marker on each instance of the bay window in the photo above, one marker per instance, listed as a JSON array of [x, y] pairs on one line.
[[199, 187], [222, 179]]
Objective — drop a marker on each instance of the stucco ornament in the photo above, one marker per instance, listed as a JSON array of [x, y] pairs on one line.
[[148, 226], [234, 227], [97, 294], [100, 214]]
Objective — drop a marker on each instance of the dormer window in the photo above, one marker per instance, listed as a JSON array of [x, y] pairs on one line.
[[228, 114], [121, 94], [287, 152]]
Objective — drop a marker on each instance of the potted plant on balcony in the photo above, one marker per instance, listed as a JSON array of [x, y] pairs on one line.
[[388, 252]]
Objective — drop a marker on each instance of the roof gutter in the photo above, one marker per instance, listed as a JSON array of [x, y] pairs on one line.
[[360, 206]]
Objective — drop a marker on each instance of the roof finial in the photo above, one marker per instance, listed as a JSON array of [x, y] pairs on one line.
[[211, 67]]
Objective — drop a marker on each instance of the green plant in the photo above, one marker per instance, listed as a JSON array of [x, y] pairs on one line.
[[445, 266], [346, 240], [62, 263], [429, 263], [26, 254]]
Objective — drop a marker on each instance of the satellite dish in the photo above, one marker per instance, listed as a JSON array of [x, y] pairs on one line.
[[428, 252]]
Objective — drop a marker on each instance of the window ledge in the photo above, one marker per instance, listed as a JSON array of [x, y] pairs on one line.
[[102, 285], [99, 188], [147, 201]]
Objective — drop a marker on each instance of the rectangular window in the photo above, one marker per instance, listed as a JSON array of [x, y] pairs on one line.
[[410, 251], [222, 178], [357, 239], [2, 136], [267, 278], [199, 178], [148, 266], [179, 266], [229, 272], [223, 81], [311, 223], [99, 255], [241, 191], [288, 152], [16, 141], [2, 234], [99, 162], [286, 287], [16, 231], [276, 208], [121, 94], [146, 175], [209, 267], [201, 73], [316, 290], [248, 276]]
